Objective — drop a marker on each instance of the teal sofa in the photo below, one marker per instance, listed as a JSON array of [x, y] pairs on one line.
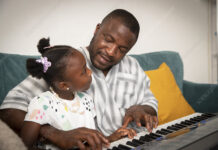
[[202, 97]]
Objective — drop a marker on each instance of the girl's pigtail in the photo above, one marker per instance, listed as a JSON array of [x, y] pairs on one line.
[[35, 69], [43, 45]]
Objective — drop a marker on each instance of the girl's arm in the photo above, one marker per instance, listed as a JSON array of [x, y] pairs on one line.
[[29, 133], [121, 133]]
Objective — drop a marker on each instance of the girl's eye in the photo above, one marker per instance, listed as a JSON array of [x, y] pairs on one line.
[[84, 71]]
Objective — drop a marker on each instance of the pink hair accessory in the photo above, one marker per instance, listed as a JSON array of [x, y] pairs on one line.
[[44, 61]]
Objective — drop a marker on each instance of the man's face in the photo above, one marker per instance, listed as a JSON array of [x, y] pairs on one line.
[[111, 41]]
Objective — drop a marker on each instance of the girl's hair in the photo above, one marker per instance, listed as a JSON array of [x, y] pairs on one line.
[[57, 55]]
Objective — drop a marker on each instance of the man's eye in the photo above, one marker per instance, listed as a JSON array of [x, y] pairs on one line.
[[108, 39], [122, 50]]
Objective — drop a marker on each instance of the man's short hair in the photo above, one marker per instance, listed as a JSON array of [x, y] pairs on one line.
[[127, 19]]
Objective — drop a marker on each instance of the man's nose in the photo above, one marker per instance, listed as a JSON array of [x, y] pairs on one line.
[[112, 50]]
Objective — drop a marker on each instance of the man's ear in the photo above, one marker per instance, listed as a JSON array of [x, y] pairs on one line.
[[97, 28]]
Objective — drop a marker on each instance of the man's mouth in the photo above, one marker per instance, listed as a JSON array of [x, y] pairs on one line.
[[104, 59]]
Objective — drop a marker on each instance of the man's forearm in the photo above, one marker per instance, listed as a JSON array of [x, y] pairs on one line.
[[51, 134], [14, 118]]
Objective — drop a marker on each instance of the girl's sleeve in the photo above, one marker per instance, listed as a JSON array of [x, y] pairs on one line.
[[38, 110]]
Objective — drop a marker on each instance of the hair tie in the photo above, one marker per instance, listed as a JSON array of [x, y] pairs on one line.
[[44, 61]]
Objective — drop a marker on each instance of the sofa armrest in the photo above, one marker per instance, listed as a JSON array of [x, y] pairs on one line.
[[202, 97]]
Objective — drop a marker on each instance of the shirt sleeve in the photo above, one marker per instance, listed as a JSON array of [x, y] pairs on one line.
[[145, 96], [20, 96], [38, 110]]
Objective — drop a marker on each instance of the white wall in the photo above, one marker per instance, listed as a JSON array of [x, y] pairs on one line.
[[177, 25]]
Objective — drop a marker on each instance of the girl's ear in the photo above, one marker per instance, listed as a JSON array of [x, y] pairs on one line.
[[97, 28], [62, 86]]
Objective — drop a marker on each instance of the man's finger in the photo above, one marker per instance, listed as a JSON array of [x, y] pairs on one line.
[[138, 123], [81, 145], [151, 122], [91, 142], [97, 140], [126, 121], [147, 123], [155, 120]]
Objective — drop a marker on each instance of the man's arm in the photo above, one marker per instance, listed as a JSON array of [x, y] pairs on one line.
[[13, 118], [77, 137], [144, 110]]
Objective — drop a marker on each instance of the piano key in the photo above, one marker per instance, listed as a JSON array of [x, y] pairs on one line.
[[165, 130], [124, 147], [180, 125], [132, 144], [173, 128], [140, 136], [138, 141], [145, 139], [191, 121], [115, 148], [185, 123], [195, 119], [201, 118], [162, 132], [208, 115], [155, 135]]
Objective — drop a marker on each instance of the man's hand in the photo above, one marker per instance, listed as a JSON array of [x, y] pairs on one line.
[[76, 138], [141, 113], [120, 133]]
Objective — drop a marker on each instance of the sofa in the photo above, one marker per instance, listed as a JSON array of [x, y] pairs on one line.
[[202, 97]]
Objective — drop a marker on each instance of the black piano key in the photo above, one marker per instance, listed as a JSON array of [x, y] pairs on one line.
[[208, 115], [149, 137], [193, 121], [162, 132], [203, 117], [185, 123], [165, 130], [132, 144], [124, 147], [145, 139], [138, 141], [173, 128], [115, 148], [155, 135], [180, 125]]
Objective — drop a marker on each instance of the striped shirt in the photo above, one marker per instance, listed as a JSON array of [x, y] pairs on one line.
[[125, 85]]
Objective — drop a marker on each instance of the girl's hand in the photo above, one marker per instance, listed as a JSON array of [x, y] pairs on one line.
[[120, 133]]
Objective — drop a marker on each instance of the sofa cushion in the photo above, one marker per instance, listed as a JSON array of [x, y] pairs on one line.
[[153, 60], [12, 72], [171, 103]]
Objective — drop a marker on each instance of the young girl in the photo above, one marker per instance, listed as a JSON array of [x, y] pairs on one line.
[[65, 106]]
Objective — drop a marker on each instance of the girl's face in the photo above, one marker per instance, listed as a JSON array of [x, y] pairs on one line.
[[77, 76]]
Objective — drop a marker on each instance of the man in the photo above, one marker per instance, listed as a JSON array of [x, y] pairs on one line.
[[119, 87]]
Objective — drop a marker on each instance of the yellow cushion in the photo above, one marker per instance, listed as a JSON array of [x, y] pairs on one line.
[[171, 103]]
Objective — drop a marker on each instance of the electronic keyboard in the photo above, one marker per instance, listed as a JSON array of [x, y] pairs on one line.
[[196, 131]]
